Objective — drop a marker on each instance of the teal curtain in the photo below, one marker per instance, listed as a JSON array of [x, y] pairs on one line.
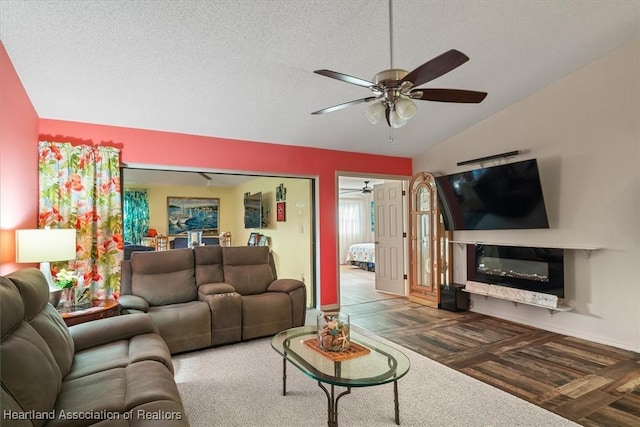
[[136, 215]]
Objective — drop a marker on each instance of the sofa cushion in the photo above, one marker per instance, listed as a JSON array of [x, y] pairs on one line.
[[45, 319], [265, 314], [183, 326], [120, 390], [33, 289], [11, 308], [31, 378], [247, 268], [115, 343], [208, 261], [164, 277]]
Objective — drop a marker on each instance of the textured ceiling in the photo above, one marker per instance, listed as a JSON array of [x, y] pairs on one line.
[[244, 69]]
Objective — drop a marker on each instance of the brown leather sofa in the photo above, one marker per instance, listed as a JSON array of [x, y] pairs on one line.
[[109, 372], [211, 295]]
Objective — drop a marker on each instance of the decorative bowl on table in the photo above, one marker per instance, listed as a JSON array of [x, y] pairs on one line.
[[333, 331]]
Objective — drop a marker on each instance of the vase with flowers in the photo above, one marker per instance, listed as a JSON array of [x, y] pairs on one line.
[[66, 280]]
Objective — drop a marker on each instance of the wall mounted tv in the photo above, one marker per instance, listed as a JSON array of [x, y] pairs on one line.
[[501, 197], [253, 210]]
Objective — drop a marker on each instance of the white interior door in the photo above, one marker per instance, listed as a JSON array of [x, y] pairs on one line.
[[389, 240]]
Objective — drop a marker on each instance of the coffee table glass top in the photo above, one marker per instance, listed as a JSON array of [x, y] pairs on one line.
[[381, 365]]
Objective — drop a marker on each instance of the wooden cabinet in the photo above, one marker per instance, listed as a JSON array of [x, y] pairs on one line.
[[429, 252]]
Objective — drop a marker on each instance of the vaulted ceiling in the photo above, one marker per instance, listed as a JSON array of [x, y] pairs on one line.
[[244, 69]]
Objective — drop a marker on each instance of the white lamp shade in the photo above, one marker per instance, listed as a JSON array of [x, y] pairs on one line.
[[405, 108], [396, 120], [374, 112], [45, 244]]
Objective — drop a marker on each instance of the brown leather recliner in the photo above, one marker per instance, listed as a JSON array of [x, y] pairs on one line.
[[212, 295], [113, 371]]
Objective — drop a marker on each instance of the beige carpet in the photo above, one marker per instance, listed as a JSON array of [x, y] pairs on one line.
[[241, 385]]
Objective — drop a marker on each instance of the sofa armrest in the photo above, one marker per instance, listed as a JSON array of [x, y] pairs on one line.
[[214, 289], [133, 302], [111, 329], [285, 285]]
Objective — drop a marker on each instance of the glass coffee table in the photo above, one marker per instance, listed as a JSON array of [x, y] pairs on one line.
[[366, 363]]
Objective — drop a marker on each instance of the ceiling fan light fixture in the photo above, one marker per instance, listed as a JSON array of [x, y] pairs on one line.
[[374, 112], [395, 120], [405, 108]]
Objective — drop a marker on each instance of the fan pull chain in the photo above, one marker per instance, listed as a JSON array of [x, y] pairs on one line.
[[392, 139]]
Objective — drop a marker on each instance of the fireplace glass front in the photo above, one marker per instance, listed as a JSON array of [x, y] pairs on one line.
[[532, 269]]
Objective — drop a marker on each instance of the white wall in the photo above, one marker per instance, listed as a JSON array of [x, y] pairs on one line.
[[585, 132]]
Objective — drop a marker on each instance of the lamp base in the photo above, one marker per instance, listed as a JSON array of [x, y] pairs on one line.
[[54, 292], [45, 268]]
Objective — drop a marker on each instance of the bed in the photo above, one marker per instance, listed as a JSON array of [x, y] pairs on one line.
[[362, 255]]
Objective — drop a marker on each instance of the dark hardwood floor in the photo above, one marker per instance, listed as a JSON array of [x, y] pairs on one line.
[[589, 383]]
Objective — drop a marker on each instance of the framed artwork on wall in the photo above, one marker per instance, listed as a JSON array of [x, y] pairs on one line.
[[281, 211], [186, 214], [254, 239]]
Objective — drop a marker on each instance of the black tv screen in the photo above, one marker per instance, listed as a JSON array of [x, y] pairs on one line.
[[495, 198], [253, 211]]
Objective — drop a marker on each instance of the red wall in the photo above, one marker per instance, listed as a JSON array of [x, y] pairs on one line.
[[172, 149], [18, 162]]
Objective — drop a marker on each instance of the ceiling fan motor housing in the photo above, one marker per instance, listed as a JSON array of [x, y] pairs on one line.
[[390, 78]]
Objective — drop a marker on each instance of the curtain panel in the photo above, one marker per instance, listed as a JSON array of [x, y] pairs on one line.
[[136, 215], [354, 224], [80, 188]]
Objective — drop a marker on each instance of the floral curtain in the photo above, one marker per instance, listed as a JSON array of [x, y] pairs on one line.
[[136, 215], [80, 188]]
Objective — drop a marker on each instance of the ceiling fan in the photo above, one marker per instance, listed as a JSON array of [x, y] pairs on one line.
[[364, 190], [395, 89], [207, 177]]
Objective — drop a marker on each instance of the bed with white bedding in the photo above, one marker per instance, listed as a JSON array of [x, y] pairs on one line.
[[362, 255]]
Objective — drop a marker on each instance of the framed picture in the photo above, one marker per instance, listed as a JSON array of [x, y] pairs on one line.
[[82, 296], [264, 241], [186, 214], [254, 239], [281, 211]]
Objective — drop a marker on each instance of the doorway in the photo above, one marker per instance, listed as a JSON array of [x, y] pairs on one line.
[[290, 240], [357, 241]]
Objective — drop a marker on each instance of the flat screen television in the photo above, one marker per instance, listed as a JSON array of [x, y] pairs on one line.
[[253, 210], [500, 197]]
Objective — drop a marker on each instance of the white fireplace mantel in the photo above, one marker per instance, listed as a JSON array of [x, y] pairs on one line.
[[586, 248]]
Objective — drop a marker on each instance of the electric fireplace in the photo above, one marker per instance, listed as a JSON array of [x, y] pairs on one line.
[[532, 269]]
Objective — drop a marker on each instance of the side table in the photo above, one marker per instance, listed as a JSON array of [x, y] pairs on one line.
[[99, 309]]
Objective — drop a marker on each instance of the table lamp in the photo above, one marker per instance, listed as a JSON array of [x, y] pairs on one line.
[[44, 245]]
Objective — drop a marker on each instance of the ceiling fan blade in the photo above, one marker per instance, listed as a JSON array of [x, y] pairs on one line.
[[450, 95], [387, 115], [346, 78], [344, 105], [436, 67]]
